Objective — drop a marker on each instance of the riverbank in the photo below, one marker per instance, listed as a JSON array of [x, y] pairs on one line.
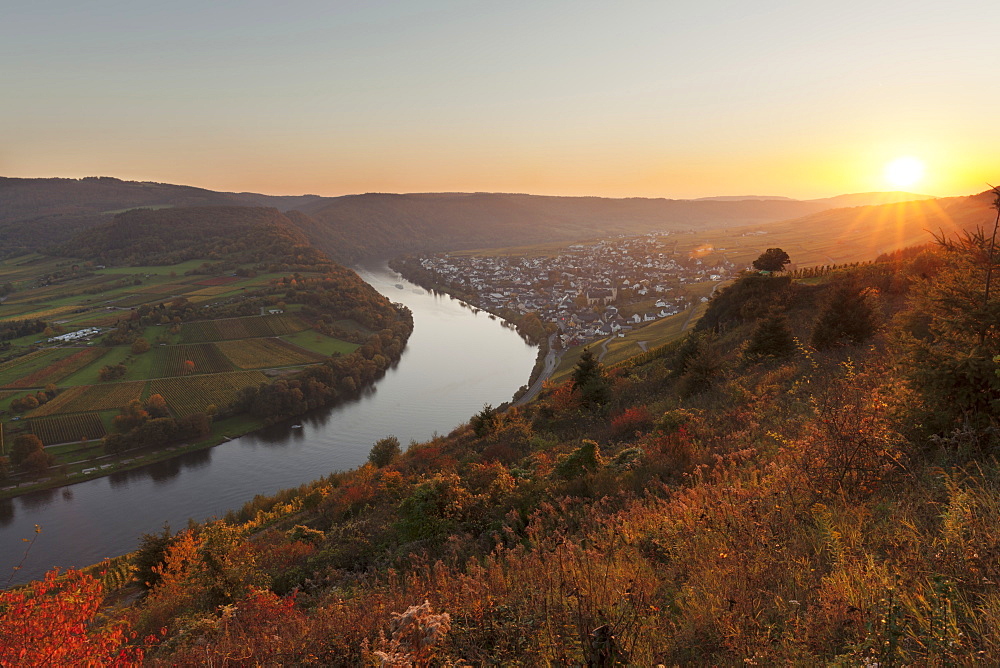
[[532, 331], [441, 380], [105, 465]]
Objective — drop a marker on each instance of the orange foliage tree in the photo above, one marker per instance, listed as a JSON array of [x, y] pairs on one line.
[[52, 622]]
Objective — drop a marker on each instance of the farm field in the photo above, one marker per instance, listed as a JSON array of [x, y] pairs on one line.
[[68, 428], [60, 367], [320, 343], [13, 370], [89, 398], [207, 331], [266, 352], [194, 394], [69, 394], [174, 360]]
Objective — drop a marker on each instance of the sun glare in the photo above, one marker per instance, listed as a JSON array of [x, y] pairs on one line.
[[904, 172]]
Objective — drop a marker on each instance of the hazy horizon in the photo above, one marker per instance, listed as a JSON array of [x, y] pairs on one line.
[[642, 99]]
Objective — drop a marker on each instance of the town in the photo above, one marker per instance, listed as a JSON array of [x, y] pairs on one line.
[[587, 291]]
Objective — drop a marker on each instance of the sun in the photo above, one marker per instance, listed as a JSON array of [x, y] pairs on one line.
[[904, 172]]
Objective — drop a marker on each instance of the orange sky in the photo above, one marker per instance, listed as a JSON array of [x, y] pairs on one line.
[[653, 99]]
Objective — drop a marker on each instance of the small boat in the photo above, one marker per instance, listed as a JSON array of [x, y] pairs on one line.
[[296, 426], [400, 286]]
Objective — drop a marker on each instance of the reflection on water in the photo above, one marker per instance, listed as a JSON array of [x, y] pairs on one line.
[[6, 512], [456, 360], [164, 471]]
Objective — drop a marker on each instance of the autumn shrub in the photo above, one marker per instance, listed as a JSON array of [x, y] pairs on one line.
[[630, 421], [54, 622], [262, 628], [433, 507], [413, 636], [852, 447]]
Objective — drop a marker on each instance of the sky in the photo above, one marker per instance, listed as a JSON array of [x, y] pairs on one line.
[[674, 98]]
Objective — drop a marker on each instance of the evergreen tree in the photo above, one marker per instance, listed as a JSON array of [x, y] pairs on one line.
[[771, 338], [588, 378], [848, 316], [950, 354]]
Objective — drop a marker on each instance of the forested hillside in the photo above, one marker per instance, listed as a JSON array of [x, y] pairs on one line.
[[168, 236], [809, 479], [38, 214]]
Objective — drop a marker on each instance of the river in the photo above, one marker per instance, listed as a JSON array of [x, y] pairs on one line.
[[456, 360]]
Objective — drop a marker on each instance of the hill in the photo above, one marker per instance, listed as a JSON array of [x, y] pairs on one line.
[[35, 213], [168, 236], [807, 480], [39, 213], [391, 224], [869, 199], [180, 325]]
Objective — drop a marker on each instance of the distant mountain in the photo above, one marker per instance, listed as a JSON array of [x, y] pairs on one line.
[[384, 224], [740, 198], [865, 232], [852, 199], [867, 199], [43, 213], [35, 213]]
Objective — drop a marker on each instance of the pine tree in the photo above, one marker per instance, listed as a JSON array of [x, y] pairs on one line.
[[847, 317], [771, 338], [588, 378]]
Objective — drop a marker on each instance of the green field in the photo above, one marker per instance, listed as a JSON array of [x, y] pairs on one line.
[[204, 362], [320, 343]]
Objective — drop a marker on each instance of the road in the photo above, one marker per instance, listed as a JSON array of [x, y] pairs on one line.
[[551, 362]]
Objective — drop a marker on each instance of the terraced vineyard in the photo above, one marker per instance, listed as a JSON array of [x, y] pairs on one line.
[[266, 353], [241, 328], [206, 357], [61, 368], [87, 398], [67, 428], [193, 394], [12, 370]]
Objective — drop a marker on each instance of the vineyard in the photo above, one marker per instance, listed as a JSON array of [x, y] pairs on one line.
[[67, 428], [251, 327], [211, 291], [44, 314], [194, 393], [23, 359], [218, 280], [60, 369], [16, 368], [166, 289], [264, 353], [170, 360], [86, 398]]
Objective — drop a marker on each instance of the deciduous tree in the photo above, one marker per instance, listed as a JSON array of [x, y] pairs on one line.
[[773, 259]]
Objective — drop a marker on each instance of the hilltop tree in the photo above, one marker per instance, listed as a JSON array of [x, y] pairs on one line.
[[773, 259]]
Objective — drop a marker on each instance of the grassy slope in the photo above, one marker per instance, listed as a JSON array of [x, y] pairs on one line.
[[780, 513]]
